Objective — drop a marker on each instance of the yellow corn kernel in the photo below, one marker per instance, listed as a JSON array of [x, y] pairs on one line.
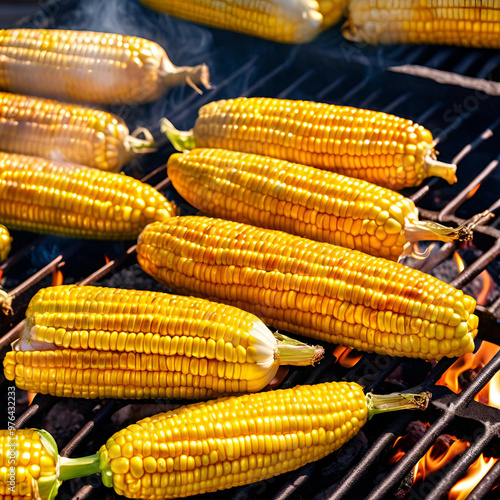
[[332, 11], [302, 200], [5, 242], [293, 21], [70, 200], [229, 442], [28, 464], [65, 132], [171, 361], [310, 288], [87, 66], [370, 145], [455, 22]]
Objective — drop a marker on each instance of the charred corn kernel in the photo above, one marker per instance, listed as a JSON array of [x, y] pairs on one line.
[[228, 442], [370, 145], [28, 464], [86, 66], [70, 339], [303, 200], [5, 242], [456, 22], [288, 21], [332, 11], [310, 288], [66, 132], [70, 200]]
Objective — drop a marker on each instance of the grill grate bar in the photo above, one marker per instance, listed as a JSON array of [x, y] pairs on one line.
[[486, 485], [464, 462], [421, 447]]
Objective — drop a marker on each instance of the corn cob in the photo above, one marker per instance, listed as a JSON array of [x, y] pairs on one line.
[[234, 441], [28, 465], [70, 200], [309, 288], [288, 21], [59, 131], [374, 146], [109, 343], [5, 242], [332, 11], [464, 23], [305, 201], [86, 66]]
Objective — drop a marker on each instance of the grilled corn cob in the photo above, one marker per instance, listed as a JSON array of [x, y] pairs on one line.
[[374, 146], [5, 242], [28, 465], [464, 23], [70, 200], [59, 131], [332, 11], [305, 201], [109, 343], [233, 441], [86, 66], [288, 21], [313, 289]]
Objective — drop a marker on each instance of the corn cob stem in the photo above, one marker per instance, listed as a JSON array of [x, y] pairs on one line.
[[394, 402], [436, 168], [296, 353], [428, 230], [6, 302], [182, 140]]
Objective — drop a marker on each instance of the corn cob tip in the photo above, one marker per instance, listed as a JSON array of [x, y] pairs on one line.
[[293, 352], [396, 401], [182, 140], [192, 75], [428, 230], [437, 168], [351, 32]]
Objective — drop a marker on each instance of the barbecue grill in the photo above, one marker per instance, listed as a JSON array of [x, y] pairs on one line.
[[455, 93]]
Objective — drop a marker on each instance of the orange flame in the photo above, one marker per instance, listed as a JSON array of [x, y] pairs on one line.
[[474, 474], [398, 454], [106, 258], [490, 394], [346, 357], [404, 443], [482, 297], [57, 277], [437, 457], [1, 273], [459, 261], [473, 191], [31, 397]]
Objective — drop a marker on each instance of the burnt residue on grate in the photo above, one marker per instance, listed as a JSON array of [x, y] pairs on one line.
[[462, 114]]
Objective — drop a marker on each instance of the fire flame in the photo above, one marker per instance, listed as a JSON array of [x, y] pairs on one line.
[[106, 259], [474, 474], [419, 254], [437, 457], [31, 397], [459, 261], [57, 277], [346, 357], [473, 191], [482, 297], [490, 394]]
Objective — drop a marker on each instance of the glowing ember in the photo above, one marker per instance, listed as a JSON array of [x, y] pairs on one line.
[[474, 474], [466, 367], [414, 433], [346, 357], [441, 453], [459, 261], [57, 277], [482, 297]]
